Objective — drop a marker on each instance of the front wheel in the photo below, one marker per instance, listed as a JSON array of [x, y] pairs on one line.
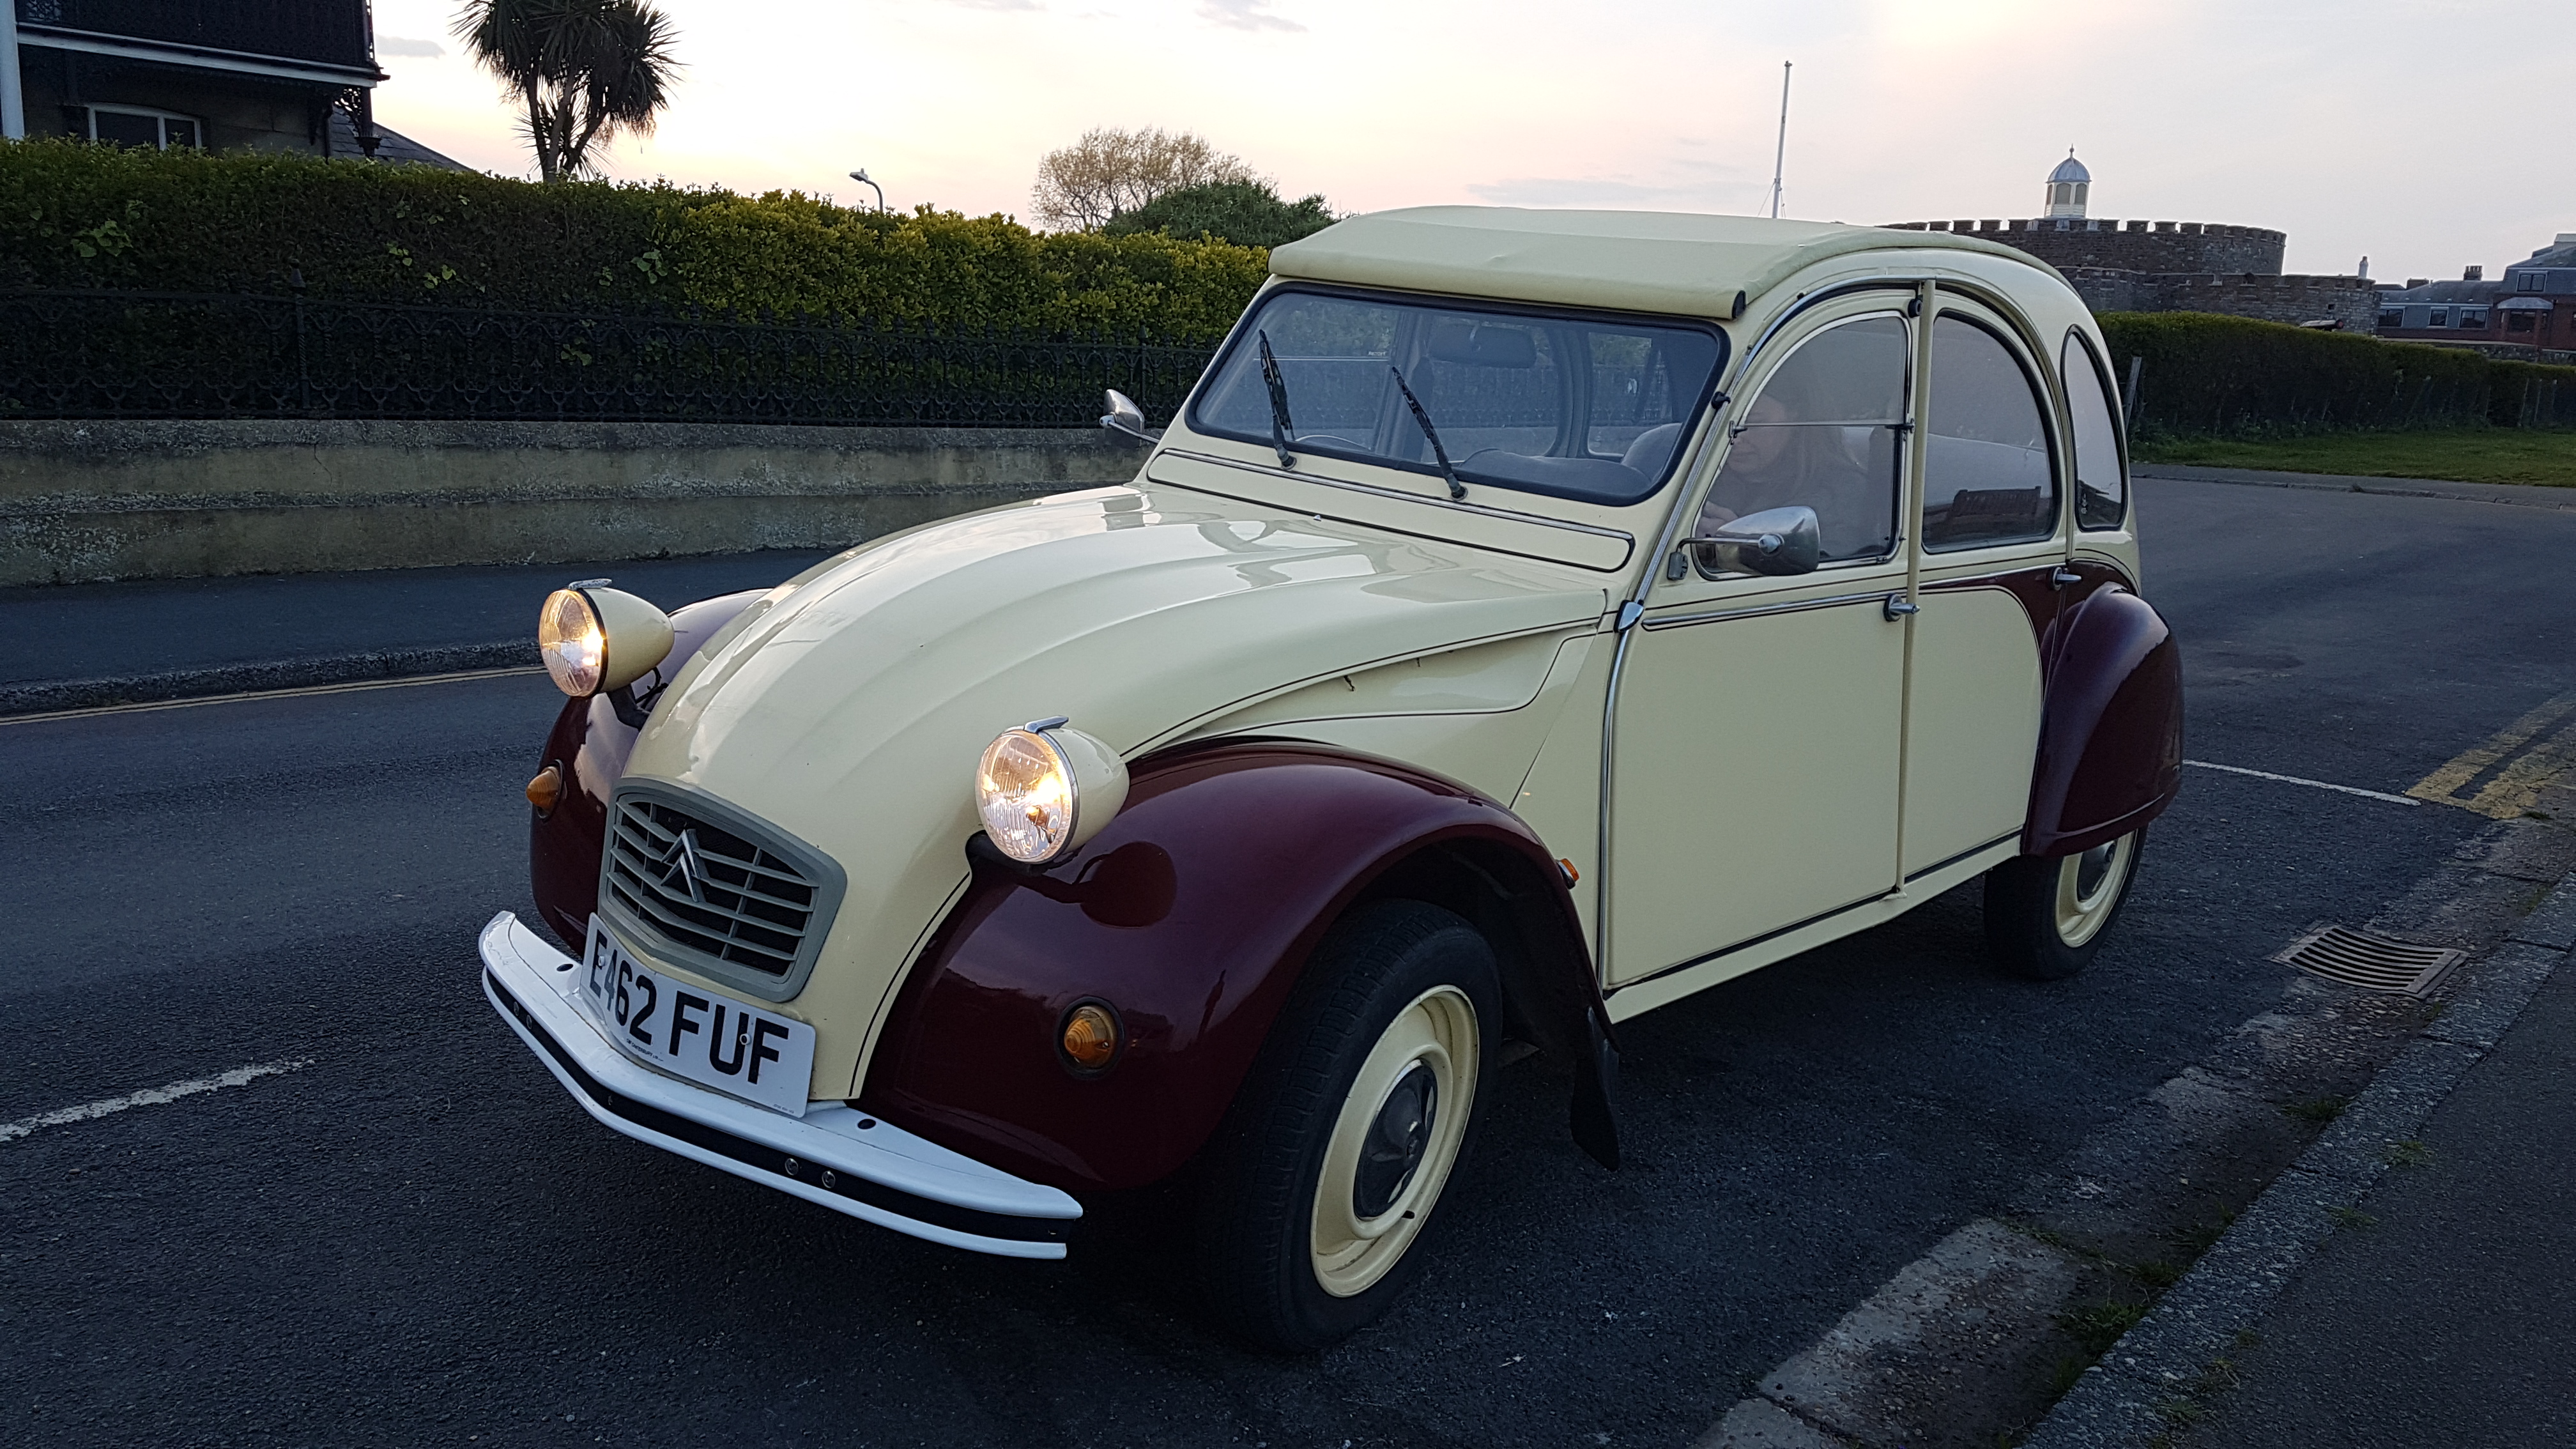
[[2045, 918], [1326, 1174]]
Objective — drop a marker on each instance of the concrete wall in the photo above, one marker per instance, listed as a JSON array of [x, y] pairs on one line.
[[2130, 246], [84, 501]]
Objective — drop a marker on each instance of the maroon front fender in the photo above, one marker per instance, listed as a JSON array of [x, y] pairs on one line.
[[2110, 739], [1192, 914], [590, 744]]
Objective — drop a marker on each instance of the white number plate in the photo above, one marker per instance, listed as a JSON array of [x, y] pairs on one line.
[[713, 1040]]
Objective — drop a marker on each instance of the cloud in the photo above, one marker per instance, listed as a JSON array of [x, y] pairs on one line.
[[1246, 15], [1689, 185], [399, 45], [998, 4]]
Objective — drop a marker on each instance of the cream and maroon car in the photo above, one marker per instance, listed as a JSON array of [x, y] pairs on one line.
[[1531, 619]]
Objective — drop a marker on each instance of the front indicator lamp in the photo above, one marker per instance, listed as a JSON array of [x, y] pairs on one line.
[[1089, 1040], [598, 640], [1042, 790]]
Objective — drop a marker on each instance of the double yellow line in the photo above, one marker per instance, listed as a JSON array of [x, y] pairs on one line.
[[2524, 757]]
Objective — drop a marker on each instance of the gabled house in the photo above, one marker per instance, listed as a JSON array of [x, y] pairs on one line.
[[269, 75], [2532, 306]]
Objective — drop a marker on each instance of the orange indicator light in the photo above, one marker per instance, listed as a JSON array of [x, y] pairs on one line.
[[546, 789], [1090, 1039]]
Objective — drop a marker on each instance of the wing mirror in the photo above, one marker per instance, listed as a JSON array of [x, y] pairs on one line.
[[1127, 418], [1777, 542]]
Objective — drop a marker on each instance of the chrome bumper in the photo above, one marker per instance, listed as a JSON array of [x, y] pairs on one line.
[[876, 1172]]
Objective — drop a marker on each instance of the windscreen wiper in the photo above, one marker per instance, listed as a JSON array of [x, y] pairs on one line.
[[1456, 488], [1281, 427]]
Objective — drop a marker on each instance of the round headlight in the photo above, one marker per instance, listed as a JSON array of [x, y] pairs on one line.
[[1042, 790], [595, 639]]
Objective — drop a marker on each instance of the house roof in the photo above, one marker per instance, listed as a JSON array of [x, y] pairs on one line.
[[1682, 263], [2069, 169]]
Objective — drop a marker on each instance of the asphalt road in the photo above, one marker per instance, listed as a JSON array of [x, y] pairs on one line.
[[418, 1238]]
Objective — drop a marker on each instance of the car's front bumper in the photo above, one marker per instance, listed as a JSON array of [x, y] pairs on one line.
[[833, 1156]]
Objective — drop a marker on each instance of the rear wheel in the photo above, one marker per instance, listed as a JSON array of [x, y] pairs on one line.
[[1338, 1146], [2045, 918]]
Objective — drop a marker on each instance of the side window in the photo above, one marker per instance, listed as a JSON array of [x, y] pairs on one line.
[[1823, 433], [2101, 494], [1987, 473]]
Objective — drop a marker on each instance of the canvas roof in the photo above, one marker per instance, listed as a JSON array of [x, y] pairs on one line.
[[1681, 263]]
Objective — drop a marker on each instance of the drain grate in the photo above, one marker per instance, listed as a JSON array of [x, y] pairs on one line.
[[2373, 963]]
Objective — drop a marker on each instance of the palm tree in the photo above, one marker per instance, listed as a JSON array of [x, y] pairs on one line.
[[586, 70]]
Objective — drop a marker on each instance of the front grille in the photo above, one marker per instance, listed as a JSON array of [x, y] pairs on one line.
[[711, 889]]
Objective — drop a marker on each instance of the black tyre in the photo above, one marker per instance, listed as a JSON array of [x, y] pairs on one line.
[[2046, 918], [1334, 1154]]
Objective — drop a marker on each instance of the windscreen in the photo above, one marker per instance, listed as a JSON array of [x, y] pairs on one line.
[[1589, 408]]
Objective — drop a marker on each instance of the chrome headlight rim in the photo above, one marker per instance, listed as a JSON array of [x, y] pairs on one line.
[[989, 798], [1091, 781]]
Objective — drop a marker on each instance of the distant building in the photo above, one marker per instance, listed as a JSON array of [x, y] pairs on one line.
[[275, 75], [2166, 266], [2529, 311], [2069, 187]]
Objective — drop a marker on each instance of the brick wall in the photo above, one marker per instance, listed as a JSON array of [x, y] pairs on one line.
[[2130, 246]]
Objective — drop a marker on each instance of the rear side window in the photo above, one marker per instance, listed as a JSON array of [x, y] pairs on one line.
[[1988, 478], [1822, 433], [2101, 492]]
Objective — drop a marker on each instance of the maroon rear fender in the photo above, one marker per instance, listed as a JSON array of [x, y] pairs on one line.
[[1192, 915], [2110, 738], [590, 744]]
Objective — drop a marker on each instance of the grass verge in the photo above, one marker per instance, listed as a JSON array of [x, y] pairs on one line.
[[2543, 456]]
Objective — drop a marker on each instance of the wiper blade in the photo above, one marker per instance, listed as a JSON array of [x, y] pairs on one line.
[[1282, 428], [1456, 488]]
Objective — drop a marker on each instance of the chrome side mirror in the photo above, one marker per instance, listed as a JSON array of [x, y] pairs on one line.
[[1776, 542], [1125, 417]]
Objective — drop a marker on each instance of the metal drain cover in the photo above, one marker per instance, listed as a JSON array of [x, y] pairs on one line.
[[2373, 963]]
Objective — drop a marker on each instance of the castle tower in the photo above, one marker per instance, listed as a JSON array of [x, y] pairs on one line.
[[2068, 186]]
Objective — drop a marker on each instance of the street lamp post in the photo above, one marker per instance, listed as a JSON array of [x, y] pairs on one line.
[[861, 176]]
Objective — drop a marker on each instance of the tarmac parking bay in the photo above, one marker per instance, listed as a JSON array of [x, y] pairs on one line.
[[413, 1236]]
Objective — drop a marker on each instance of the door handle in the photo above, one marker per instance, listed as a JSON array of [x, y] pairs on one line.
[[2061, 577], [1898, 606]]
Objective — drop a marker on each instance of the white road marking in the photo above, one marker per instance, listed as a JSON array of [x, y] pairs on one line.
[[351, 688], [2313, 784], [149, 1097]]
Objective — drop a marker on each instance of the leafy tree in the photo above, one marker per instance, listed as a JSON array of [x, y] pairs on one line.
[[587, 70], [1110, 172], [1246, 213]]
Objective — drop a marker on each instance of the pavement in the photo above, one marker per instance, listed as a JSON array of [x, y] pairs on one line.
[[83, 645], [2440, 1311], [371, 1218], [2520, 495]]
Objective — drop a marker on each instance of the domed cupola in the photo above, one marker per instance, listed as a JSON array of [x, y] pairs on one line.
[[2068, 186]]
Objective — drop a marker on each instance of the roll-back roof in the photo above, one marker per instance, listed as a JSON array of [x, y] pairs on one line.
[[1679, 263]]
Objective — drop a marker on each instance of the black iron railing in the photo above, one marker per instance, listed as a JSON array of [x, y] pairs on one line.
[[117, 354], [333, 31]]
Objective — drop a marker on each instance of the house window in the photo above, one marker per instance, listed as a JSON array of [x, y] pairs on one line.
[[2393, 317], [2529, 281], [135, 126], [2441, 317], [2518, 321], [2472, 317]]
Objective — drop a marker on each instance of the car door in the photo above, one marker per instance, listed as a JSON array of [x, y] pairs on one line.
[[1992, 537], [1755, 728]]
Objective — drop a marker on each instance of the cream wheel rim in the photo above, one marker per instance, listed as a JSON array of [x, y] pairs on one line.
[[2088, 885], [1395, 1140]]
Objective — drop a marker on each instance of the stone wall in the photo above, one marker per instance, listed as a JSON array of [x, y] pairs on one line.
[[2351, 303], [84, 501], [2131, 246]]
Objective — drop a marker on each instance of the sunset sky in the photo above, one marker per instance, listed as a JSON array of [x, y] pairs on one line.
[[2410, 132]]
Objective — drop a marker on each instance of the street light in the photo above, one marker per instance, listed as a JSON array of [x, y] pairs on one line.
[[861, 176]]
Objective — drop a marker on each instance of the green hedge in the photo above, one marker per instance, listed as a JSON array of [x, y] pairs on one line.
[[79, 215], [2202, 375]]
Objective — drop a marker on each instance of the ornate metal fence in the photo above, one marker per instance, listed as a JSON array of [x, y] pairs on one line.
[[118, 354]]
